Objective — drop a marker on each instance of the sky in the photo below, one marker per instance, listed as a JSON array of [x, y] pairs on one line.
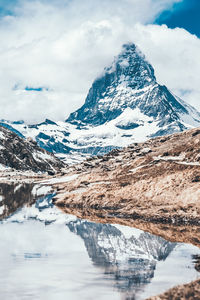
[[52, 50], [184, 14]]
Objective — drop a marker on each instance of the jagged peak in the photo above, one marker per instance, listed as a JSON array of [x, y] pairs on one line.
[[130, 63], [130, 71], [124, 105]]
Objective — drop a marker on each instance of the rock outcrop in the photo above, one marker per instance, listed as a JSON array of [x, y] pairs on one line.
[[25, 155]]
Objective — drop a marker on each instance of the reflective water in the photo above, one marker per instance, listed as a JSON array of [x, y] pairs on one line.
[[14, 196], [46, 254]]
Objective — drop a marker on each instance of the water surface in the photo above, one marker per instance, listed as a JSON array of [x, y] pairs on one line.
[[46, 254]]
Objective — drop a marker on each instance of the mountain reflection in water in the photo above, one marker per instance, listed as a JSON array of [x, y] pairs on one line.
[[129, 258], [14, 196], [79, 259]]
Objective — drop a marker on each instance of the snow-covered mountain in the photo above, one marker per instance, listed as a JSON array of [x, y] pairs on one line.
[[129, 87], [124, 105], [20, 154]]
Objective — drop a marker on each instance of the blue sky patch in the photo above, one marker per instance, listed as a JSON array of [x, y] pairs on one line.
[[185, 14], [35, 89], [6, 7]]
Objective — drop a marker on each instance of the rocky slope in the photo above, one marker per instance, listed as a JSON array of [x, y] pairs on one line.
[[124, 105], [25, 155], [156, 181]]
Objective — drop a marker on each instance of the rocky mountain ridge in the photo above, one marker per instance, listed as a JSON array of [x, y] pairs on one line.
[[130, 83], [25, 155], [124, 105]]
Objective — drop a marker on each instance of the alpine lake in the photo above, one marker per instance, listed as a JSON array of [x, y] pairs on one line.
[[49, 255]]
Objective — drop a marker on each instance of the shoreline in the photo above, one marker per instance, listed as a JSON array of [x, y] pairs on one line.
[[153, 186], [180, 231]]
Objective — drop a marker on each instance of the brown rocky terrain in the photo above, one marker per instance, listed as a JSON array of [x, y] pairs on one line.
[[156, 181], [153, 186]]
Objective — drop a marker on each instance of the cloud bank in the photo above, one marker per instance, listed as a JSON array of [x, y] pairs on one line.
[[175, 55], [51, 51]]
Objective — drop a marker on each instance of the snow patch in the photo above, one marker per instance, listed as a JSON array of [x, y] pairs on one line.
[[40, 156], [2, 208], [39, 190], [169, 158], [3, 168], [132, 116], [17, 188], [60, 179], [129, 232], [188, 163], [2, 136]]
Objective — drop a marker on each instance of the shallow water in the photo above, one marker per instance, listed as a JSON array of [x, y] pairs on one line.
[[46, 254]]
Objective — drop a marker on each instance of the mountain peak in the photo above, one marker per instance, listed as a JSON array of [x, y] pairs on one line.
[[129, 82], [111, 93], [130, 65], [124, 105]]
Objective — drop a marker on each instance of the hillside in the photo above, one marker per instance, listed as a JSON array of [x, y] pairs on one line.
[[25, 155], [156, 181]]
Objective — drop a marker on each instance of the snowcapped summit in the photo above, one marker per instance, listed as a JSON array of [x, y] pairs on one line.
[[130, 83], [124, 105], [128, 76]]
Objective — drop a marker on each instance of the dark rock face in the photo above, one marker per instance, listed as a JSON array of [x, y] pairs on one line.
[[21, 154], [129, 68], [130, 83]]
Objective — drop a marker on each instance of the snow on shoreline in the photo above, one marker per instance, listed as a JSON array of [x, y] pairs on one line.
[[60, 179]]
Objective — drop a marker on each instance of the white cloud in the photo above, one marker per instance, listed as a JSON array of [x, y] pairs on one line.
[[175, 55], [64, 45]]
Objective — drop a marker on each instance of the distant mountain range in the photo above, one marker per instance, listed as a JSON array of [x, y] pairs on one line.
[[124, 105]]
